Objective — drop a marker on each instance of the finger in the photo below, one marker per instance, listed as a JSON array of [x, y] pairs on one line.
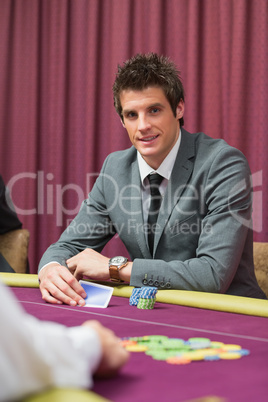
[[52, 294], [78, 275], [71, 268], [63, 288], [102, 331], [71, 265], [48, 298], [75, 286], [72, 261], [70, 291], [67, 295]]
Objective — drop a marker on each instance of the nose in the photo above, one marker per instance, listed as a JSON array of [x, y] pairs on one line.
[[143, 123]]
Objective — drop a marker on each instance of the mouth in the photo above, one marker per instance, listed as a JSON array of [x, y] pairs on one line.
[[148, 139]]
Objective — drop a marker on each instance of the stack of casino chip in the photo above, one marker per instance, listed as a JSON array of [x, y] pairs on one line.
[[134, 298], [147, 298], [146, 304]]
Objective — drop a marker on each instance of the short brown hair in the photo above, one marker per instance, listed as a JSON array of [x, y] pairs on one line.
[[145, 70]]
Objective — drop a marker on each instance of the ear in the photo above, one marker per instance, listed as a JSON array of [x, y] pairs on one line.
[[122, 122], [180, 110]]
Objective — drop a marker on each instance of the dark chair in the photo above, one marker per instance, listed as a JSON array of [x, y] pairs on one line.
[[14, 248], [260, 255]]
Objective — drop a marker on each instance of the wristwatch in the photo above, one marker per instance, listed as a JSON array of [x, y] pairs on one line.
[[115, 264]]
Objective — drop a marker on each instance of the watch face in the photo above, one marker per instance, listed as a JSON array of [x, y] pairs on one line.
[[118, 260]]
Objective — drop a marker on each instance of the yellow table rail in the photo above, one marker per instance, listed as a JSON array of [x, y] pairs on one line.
[[65, 395], [20, 280], [209, 301]]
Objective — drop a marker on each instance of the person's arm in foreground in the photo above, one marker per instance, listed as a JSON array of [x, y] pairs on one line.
[[36, 355]]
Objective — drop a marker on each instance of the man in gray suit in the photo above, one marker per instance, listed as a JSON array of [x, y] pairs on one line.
[[201, 238]]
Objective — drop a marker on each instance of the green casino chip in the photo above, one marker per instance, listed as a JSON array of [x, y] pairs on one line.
[[146, 303]]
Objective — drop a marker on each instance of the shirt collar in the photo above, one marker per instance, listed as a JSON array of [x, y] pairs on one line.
[[166, 166]]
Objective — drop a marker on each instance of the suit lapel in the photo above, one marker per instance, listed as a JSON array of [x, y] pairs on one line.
[[180, 175]]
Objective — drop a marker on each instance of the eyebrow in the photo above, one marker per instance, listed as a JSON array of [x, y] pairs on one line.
[[157, 104]]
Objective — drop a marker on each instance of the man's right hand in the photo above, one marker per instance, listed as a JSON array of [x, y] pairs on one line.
[[58, 285], [114, 355]]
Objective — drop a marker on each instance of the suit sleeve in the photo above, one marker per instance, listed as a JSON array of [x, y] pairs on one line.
[[92, 227], [216, 251]]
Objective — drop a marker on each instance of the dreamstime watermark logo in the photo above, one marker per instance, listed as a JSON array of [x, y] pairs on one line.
[[130, 226], [50, 199]]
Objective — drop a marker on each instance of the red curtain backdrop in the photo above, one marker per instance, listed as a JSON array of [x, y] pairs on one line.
[[58, 60]]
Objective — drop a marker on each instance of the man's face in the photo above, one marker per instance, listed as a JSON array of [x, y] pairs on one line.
[[151, 125]]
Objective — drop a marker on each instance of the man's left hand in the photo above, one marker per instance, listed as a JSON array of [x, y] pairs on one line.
[[89, 263]]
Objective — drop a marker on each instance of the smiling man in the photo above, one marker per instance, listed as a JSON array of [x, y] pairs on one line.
[[180, 202], [150, 122]]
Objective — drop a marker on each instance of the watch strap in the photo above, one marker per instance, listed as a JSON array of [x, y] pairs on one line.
[[114, 274]]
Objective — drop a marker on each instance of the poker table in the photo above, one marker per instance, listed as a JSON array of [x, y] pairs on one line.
[[176, 314]]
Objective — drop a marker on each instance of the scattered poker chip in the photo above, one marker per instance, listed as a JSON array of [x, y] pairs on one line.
[[199, 343], [136, 348], [231, 347], [155, 346], [205, 340], [243, 352], [216, 345], [178, 360], [194, 355], [174, 344], [127, 342], [210, 352], [229, 356], [178, 351], [211, 358], [161, 355]]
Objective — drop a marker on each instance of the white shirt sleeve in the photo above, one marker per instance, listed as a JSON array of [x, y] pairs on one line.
[[35, 355], [54, 262]]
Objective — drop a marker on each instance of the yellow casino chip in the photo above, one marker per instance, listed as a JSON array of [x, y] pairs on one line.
[[136, 348], [229, 356]]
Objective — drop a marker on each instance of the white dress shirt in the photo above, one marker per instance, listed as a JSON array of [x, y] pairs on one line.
[[35, 355], [164, 170]]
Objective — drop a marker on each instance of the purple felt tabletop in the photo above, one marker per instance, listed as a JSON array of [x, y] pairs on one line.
[[145, 379]]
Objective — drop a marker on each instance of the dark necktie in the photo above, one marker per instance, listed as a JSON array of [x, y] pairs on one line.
[[155, 180]]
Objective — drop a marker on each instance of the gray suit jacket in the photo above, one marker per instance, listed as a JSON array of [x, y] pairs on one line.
[[203, 237]]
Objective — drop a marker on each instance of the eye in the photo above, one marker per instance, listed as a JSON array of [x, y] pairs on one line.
[[154, 110], [130, 115]]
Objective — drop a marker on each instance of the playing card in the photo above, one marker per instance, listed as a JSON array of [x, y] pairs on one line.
[[97, 295]]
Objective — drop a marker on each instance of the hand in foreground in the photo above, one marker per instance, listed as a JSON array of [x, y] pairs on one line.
[[58, 285], [89, 263], [114, 356]]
